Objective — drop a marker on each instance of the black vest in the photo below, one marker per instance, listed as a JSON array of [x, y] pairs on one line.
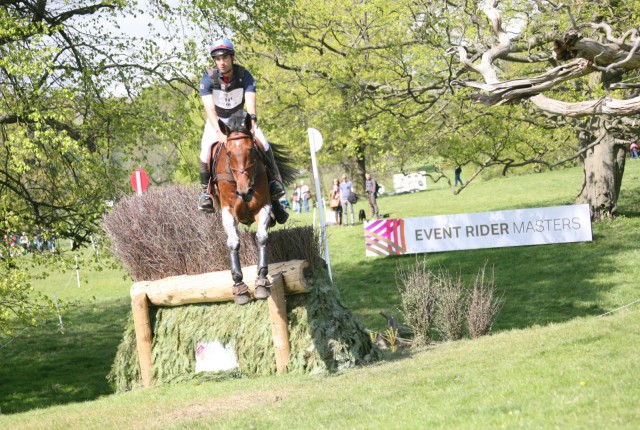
[[236, 82]]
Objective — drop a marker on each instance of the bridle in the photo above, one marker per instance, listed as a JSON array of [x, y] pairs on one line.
[[245, 170]]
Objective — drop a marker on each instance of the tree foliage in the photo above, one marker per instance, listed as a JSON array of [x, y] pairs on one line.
[[375, 78], [74, 107], [82, 103]]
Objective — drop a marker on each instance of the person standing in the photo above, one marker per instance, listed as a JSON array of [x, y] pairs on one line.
[[295, 197], [225, 89], [458, 172], [24, 242], [335, 195], [306, 195], [346, 189], [370, 187], [633, 150]]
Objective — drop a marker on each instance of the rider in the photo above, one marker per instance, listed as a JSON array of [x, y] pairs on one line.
[[225, 89]]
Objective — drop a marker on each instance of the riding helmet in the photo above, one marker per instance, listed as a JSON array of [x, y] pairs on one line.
[[222, 47]]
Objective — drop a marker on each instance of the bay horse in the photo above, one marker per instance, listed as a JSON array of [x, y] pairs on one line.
[[243, 197]]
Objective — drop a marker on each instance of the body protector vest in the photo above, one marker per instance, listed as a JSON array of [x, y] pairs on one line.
[[228, 97]]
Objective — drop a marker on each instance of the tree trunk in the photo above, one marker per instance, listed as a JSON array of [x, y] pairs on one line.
[[360, 167], [603, 171]]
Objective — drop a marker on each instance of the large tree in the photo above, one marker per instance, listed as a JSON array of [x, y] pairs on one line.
[[71, 109], [592, 59], [79, 98]]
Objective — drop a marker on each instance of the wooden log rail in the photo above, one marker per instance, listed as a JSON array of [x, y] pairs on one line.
[[286, 278]]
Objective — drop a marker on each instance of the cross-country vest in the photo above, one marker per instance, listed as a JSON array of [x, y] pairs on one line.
[[228, 98]]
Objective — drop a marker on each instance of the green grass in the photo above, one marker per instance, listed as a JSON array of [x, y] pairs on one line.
[[552, 362]]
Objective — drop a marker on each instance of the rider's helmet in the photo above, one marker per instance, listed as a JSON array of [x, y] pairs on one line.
[[222, 47]]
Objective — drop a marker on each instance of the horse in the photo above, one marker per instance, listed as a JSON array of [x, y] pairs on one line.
[[243, 197]]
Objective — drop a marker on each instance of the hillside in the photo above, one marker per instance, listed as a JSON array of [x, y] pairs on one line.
[[552, 361]]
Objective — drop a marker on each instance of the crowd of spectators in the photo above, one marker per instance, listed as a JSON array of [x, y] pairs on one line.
[[19, 244]]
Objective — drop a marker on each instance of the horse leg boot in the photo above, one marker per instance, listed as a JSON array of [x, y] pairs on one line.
[[262, 283], [240, 290], [276, 189], [205, 203]]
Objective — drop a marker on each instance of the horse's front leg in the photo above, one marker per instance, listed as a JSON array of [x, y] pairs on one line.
[[262, 283], [240, 290]]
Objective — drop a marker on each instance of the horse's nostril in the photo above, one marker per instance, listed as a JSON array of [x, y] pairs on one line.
[[246, 197]]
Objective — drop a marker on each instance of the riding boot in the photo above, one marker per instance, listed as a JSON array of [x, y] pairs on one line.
[[205, 202], [276, 189]]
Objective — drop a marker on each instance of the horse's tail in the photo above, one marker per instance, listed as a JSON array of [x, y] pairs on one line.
[[288, 173]]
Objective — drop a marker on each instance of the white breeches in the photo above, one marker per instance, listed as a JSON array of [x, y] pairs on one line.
[[209, 137]]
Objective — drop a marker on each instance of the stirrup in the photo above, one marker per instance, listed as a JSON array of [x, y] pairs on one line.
[[205, 203]]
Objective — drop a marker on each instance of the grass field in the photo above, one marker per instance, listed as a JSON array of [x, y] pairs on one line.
[[552, 362]]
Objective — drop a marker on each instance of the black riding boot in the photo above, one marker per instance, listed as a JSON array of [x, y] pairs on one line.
[[276, 189], [205, 202]]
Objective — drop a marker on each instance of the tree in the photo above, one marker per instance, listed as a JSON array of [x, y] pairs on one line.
[[374, 77], [71, 111], [601, 57], [78, 97], [350, 69]]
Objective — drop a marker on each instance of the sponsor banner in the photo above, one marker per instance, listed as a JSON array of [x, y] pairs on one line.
[[520, 227]]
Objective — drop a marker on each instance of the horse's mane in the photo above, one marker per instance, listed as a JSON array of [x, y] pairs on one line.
[[287, 171]]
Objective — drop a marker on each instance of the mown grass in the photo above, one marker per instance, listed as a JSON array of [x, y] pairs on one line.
[[554, 363]]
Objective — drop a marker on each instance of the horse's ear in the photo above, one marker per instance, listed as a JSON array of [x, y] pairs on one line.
[[247, 122], [223, 127]]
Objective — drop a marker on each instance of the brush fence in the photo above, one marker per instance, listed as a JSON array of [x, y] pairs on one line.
[[215, 287]]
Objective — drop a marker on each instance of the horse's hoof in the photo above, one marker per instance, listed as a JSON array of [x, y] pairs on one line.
[[241, 299], [241, 294], [261, 293], [262, 290]]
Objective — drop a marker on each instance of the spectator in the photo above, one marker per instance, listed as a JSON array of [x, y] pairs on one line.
[[633, 149], [295, 198], [346, 189], [458, 172], [306, 195], [370, 187], [334, 198], [39, 242], [24, 241]]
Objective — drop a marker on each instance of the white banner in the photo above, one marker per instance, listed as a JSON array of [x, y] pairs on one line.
[[520, 227]]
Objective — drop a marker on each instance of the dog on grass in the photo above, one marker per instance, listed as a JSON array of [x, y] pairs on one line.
[[362, 216]]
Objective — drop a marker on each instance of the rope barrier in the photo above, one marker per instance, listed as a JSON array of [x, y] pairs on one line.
[[621, 307]]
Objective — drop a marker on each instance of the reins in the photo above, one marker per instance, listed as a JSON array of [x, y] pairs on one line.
[[242, 134]]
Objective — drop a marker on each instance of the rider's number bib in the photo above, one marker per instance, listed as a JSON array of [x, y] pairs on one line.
[[228, 100]]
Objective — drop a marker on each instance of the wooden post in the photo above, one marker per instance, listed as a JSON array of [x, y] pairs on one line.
[[214, 287], [279, 324], [142, 325]]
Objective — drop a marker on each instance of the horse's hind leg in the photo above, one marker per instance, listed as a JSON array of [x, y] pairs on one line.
[[262, 283], [240, 290]]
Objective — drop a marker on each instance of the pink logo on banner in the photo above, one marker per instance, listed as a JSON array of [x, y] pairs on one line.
[[385, 237]]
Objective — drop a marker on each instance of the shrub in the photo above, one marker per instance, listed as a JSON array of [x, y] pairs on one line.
[[161, 234], [483, 305], [418, 300], [451, 306], [440, 302]]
